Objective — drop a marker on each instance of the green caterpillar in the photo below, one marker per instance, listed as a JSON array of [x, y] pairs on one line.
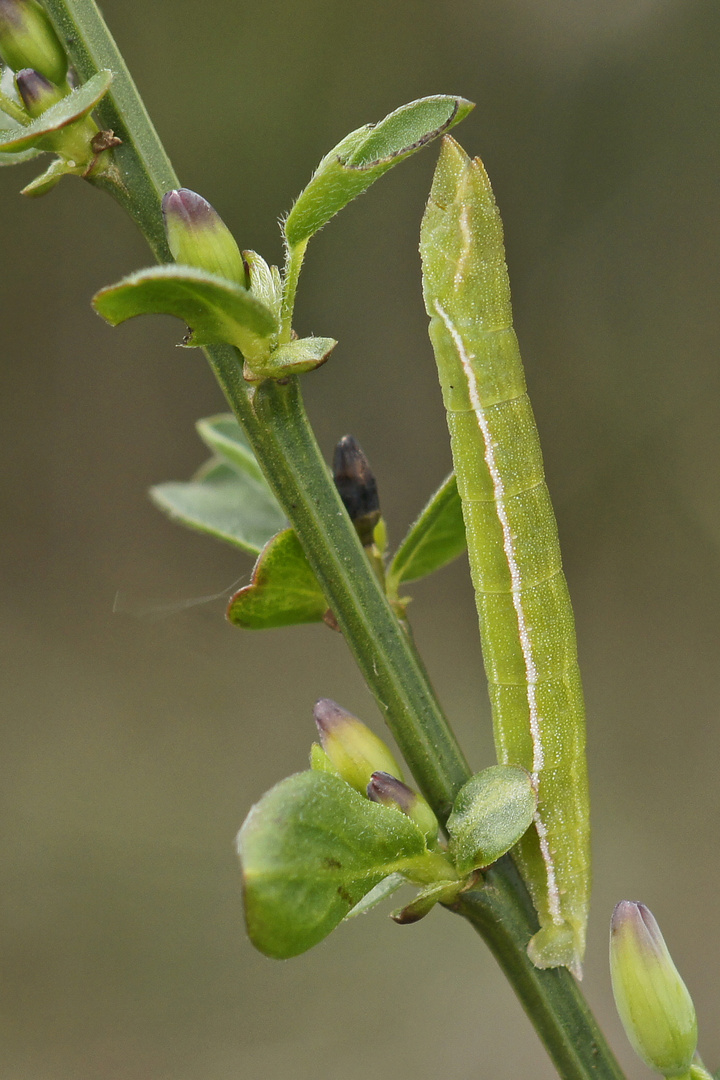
[[526, 622]]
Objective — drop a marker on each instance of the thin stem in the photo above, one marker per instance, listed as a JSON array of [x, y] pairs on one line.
[[13, 110], [277, 427], [291, 276]]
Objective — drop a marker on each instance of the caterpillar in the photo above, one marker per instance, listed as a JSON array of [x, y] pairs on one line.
[[526, 622]]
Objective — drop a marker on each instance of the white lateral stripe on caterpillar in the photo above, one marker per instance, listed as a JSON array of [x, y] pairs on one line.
[[531, 678]]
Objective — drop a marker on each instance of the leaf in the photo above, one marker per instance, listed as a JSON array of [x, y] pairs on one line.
[[310, 850], [17, 159], [283, 590], [73, 107], [226, 503], [216, 309], [364, 155], [435, 893], [382, 890], [47, 180], [435, 539], [224, 436], [491, 812], [292, 358]]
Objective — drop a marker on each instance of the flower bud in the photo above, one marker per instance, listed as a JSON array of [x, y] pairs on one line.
[[198, 236], [37, 92], [652, 1000], [28, 40], [388, 790], [354, 750], [357, 487]]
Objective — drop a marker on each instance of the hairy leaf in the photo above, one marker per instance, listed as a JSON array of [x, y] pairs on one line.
[[73, 107], [310, 850], [491, 812], [217, 310], [364, 155]]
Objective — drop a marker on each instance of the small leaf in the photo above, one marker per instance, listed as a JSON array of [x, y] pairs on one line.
[[491, 812], [225, 503], [17, 159], [435, 539], [216, 309], [438, 892], [385, 888], [283, 590], [73, 107], [292, 358], [224, 436], [47, 180], [364, 155], [310, 850]]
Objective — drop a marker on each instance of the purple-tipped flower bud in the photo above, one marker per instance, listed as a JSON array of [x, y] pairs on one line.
[[37, 92], [652, 1000], [198, 236], [28, 40], [357, 487], [354, 750], [388, 790]]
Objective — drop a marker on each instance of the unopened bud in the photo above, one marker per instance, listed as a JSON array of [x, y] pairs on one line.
[[388, 790], [652, 1000], [198, 236], [357, 487], [354, 750], [37, 92], [28, 40]]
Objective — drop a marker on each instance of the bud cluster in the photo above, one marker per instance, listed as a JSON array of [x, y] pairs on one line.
[[362, 759]]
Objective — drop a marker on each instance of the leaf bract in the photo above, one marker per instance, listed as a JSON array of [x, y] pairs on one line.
[[435, 539]]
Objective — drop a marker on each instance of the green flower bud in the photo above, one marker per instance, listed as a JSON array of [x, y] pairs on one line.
[[37, 92], [652, 1000], [388, 790], [357, 487], [28, 40], [354, 750], [199, 237]]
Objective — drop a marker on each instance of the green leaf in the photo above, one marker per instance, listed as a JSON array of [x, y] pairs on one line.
[[437, 892], [382, 890], [491, 812], [17, 159], [224, 436], [47, 180], [310, 850], [283, 590], [364, 155], [435, 539], [292, 358], [216, 309], [73, 107], [226, 503]]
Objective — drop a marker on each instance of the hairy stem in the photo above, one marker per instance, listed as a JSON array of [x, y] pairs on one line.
[[277, 427]]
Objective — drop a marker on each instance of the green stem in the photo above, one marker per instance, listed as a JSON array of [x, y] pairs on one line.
[[501, 911], [277, 427], [14, 111], [291, 276]]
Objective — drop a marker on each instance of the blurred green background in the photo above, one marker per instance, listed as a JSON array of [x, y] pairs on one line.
[[133, 743]]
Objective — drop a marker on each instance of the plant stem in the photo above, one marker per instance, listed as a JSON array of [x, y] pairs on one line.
[[291, 275], [280, 434]]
